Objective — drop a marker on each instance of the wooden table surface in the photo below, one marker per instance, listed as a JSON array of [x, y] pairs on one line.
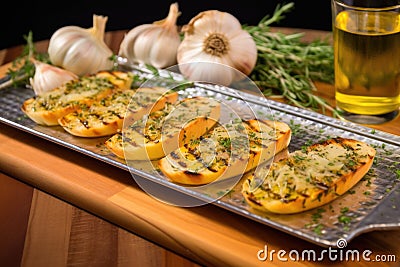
[[207, 235]]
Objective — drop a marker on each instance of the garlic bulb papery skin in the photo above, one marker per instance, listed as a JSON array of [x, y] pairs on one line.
[[82, 51], [155, 44], [216, 37], [48, 77]]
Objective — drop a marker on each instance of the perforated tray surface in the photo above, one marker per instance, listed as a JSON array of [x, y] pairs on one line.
[[371, 205]]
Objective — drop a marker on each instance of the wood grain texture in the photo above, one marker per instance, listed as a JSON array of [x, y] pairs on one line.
[[47, 239], [207, 234], [61, 235], [15, 203], [51, 232]]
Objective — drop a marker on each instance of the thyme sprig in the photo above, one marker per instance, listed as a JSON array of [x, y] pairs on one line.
[[287, 67], [22, 68]]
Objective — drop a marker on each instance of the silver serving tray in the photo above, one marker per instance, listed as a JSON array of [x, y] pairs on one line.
[[371, 205]]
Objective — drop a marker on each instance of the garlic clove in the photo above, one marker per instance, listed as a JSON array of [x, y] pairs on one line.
[[48, 77], [160, 49], [155, 44], [243, 60], [208, 72], [127, 45], [144, 43], [217, 37], [82, 51]]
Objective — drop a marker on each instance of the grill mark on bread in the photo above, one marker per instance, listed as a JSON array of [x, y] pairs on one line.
[[233, 156], [164, 130], [48, 108], [106, 116], [309, 179]]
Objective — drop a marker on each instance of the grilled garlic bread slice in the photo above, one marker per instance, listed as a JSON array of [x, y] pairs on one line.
[[47, 108], [309, 179], [106, 117], [165, 130], [226, 151]]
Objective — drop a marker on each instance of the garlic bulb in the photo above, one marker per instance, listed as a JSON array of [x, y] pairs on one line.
[[155, 44], [48, 77], [82, 51], [216, 37]]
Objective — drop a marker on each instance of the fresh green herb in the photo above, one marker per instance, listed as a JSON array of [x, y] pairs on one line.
[[296, 128], [316, 226], [306, 145], [367, 193], [287, 67], [114, 58], [318, 229], [398, 174], [344, 218], [22, 68], [317, 215], [344, 210], [225, 142]]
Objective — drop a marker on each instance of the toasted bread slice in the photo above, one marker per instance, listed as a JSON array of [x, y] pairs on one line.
[[309, 179], [226, 151], [106, 117], [47, 108], [165, 130]]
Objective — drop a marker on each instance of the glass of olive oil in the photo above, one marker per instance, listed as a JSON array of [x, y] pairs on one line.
[[366, 36]]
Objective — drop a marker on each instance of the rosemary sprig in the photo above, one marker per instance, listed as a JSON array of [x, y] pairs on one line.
[[22, 67], [286, 67]]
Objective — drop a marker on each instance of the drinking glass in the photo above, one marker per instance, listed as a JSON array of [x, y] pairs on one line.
[[366, 37]]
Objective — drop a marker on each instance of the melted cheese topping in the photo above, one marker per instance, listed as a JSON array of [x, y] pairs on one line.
[[72, 93], [226, 145], [305, 172], [168, 122], [114, 107], [105, 111], [147, 130]]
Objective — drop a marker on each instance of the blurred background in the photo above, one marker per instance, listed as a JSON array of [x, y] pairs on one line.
[[43, 19]]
